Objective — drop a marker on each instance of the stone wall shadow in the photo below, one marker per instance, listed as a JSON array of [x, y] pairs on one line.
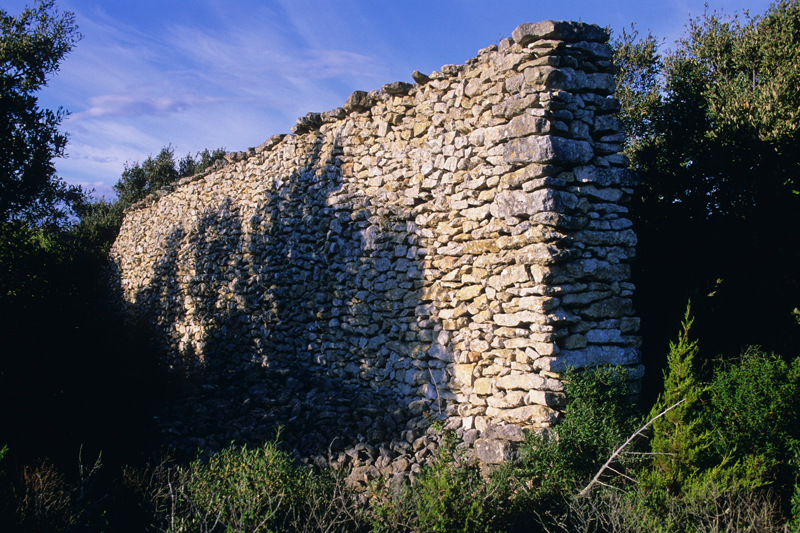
[[292, 317]]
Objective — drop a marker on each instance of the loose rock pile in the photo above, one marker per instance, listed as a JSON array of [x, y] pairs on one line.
[[447, 247], [318, 420]]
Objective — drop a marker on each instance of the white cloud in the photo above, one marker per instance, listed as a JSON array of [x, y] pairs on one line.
[[138, 105]]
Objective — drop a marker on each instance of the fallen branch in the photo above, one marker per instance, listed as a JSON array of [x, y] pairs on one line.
[[614, 455]]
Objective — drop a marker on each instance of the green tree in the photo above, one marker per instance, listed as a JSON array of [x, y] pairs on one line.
[[713, 134], [140, 180], [32, 46], [678, 440], [99, 220]]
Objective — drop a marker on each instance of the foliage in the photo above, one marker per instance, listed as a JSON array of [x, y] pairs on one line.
[[678, 439], [716, 511], [139, 180], [795, 520], [39, 497], [639, 86], [245, 489], [746, 397], [712, 128], [191, 165], [598, 417], [444, 496], [32, 46], [719, 115], [98, 225], [714, 444]]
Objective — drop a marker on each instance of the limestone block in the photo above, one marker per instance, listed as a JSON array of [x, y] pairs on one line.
[[550, 399], [416, 377], [629, 324], [476, 213], [512, 203], [520, 382], [607, 195], [606, 238], [606, 124], [480, 247], [540, 304], [569, 31], [483, 386], [469, 292], [439, 352], [604, 336], [590, 356], [512, 320], [535, 234], [510, 400], [463, 373], [419, 77], [511, 275], [610, 308], [397, 87], [519, 126], [596, 49], [547, 78], [539, 415], [547, 149], [358, 101], [573, 342], [493, 452]]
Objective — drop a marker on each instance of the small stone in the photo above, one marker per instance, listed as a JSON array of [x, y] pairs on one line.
[[358, 101], [493, 452], [419, 77], [397, 87]]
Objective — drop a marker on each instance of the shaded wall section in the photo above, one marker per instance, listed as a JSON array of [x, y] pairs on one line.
[[453, 244]]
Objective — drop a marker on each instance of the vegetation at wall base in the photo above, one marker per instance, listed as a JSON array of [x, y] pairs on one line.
[[731, 475], [598, 417]]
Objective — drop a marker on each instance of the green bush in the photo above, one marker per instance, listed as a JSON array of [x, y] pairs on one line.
[[241, 489], [794, 524], [753, 419], [678, 441], [444, 497], [599, 416]]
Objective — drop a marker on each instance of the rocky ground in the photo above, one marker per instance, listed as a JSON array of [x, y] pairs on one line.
[[319, 421]]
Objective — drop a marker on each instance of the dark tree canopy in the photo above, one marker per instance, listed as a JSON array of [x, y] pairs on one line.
[[32, 45], [715, 123], [714, 134]]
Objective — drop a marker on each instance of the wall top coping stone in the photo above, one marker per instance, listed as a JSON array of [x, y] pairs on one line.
[[562, 30]]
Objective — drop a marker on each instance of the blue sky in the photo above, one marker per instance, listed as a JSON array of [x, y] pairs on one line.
[[230, 73]]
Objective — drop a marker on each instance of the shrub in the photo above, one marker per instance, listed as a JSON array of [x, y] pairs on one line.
[[598, 417], [240, 489], [753, 418], [678, 441], [444, 496]]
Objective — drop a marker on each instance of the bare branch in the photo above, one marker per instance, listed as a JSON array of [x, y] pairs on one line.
[[616, 452]]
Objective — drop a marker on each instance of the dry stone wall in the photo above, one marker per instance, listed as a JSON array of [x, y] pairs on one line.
[[452, 245]]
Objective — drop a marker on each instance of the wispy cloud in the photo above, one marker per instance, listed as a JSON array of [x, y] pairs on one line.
[[134, 88], [138, 105], [230, 73]]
